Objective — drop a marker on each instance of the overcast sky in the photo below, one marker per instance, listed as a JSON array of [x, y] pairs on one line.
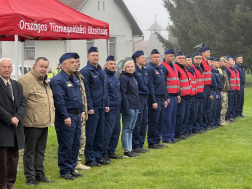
[[144, 12]]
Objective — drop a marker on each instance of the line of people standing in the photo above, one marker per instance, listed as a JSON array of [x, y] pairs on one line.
[[168, 102]]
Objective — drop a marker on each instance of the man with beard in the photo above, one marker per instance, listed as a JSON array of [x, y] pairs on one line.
[[69, 115]]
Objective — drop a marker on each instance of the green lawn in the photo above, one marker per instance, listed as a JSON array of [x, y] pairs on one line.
[[221, 158]]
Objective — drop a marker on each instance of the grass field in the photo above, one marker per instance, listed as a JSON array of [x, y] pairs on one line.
[[221, 158]]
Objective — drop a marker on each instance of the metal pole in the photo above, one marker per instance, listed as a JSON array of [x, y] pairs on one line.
[[107, 48], [22, 57], [16, 56]]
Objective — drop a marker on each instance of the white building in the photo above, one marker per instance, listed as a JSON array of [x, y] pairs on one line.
[[123, 30]]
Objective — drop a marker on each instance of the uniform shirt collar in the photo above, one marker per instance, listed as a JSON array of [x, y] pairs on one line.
[[66, 75], [110, 73], [153, 65], [91, 67]]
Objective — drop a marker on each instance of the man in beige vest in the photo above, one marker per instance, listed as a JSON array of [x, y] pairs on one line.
[[39, 116]]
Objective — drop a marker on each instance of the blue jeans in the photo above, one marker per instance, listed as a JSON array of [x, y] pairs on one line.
[[128, 122]]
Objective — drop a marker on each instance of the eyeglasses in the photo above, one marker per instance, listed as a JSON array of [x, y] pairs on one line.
[[198, 58]]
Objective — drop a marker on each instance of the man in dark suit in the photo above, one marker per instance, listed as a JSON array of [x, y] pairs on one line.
[[12, 112]]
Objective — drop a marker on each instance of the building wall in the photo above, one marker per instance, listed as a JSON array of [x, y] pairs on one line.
[[119, 27]]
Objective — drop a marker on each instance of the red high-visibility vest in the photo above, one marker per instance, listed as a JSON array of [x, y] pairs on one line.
[[207, 73], [193, 83], [172, 80], [184, 82], [238, 82], [199, 80], [233, 79]]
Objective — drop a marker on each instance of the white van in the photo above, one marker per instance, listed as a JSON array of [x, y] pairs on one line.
[[13, 74]]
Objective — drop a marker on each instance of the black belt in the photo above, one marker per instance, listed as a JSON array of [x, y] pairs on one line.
[[159, 96], [242, 83], [143, 95], [77, 112], [212, 89], [219, 90]]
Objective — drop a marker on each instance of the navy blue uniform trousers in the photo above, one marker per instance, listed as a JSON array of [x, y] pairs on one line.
[[182, 116], [240, 101], [206, 107], [231, 95], [94, 136], [197, 125], [111, 131], [170, 113], [69, 142], [213, 109], [155, 122], [139, 132], [191, 119], [218, 108]]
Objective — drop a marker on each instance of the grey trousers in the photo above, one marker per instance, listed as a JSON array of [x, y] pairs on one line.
[[34, 153]]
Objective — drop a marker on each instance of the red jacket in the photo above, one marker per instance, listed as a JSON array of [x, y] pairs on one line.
[[207, 73], [199, 80], [238, 83], [193, 83], [172, 80], [233, 79], [184, 82]]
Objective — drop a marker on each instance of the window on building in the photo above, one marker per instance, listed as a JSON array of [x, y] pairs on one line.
[[90, 43], [29, 50], [98, 5], [103, 5], [112, 46], [1, 55]]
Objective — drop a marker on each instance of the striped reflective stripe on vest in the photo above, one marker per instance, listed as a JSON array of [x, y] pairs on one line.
[[185, 88], [182, 81], [172, 86], [208, 72], [172, 79], [200, 87], [207, 79]]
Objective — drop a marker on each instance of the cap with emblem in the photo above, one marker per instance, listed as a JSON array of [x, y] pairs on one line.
[[180, 54], [169, 51], [155, 51], [187, 56], [203, 49], [137, 54], [110, 58], [217, 59], [92, 49], [66, 56]]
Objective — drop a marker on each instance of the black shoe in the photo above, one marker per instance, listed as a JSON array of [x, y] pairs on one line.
[[139, 150], [129, 154], [228, 121], [75, 174], [162, 145], [32, 182], [67, 176], [114, 156], [146, 150], [106, 158], [155, 146], [242, 115], [182, 137], [42, 178], [187, 135], [172, 142], [203, 130], [176, 139], [93, 164], [104, 162], [191, 134], [232, 119]]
